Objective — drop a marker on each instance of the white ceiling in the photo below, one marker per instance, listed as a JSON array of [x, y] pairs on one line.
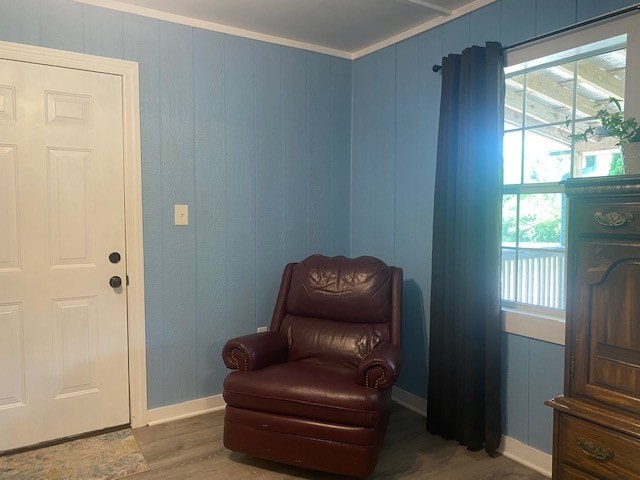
[[347, 28]]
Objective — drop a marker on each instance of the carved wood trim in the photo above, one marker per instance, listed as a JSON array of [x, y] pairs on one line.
[[620, 185]]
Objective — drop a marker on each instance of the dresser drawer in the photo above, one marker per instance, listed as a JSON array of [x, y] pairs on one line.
[[603, 453], [570, 473], [608, 218]]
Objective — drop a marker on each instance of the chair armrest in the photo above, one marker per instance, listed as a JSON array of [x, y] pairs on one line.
[[380, 369], [255, 351]]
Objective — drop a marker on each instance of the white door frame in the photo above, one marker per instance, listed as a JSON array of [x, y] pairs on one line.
[[128, 71]]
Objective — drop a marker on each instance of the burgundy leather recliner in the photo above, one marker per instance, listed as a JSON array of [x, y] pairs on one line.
[[315, 391]]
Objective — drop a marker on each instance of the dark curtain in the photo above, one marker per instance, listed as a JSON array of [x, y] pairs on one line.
[[464, 346]]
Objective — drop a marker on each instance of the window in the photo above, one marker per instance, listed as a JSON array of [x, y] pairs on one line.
[[539, 153], [553, 91]]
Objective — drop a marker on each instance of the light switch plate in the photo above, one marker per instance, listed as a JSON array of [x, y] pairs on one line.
[[181, 214]]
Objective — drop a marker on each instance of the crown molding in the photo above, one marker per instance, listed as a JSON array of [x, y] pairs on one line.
[[213, 26], [287, 42], [423, 27]]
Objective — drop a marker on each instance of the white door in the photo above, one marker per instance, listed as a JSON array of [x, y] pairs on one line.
[[63, 327]]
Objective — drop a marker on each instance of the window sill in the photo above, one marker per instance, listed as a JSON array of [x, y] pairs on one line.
[[533, 325]]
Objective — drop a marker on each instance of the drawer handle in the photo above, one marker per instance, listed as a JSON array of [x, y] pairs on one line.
[[594, 450], [613, 219]]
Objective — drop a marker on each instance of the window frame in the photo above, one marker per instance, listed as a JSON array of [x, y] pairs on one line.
[[529, 320]]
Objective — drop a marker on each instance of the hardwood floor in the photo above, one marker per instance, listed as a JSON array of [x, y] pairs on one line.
[[191, 449]]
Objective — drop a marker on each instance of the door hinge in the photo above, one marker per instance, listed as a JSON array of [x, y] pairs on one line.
[[575, 263], [572, 366], [127, 277]]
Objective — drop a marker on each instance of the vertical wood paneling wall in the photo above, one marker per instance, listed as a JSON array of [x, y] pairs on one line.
[[396, 101], [281, 153], [254, 137]]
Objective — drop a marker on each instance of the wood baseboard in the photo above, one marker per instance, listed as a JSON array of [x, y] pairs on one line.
[[185, 409], [526, 455], [409, 400], [509, 447]]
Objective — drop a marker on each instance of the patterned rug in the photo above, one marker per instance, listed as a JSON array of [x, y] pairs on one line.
[[103, 457]]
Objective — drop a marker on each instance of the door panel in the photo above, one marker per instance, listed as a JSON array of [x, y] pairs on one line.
[[75, 350], [11, 356], [68, 109], [71, 194], [63, 329], [7, 104], [8, 208]]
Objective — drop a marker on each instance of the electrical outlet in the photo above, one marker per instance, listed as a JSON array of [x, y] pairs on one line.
[[262, 329]]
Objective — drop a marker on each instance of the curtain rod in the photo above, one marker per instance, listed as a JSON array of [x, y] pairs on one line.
[[624, 11]]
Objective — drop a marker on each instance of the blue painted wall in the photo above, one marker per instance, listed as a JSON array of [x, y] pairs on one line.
[[281, 153], [396, 99], [254, 137]]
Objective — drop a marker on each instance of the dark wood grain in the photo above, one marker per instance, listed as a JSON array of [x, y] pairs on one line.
[[599, 451], [597, 422]]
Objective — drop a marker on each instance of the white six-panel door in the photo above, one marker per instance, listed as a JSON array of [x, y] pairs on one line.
[[63, 327]]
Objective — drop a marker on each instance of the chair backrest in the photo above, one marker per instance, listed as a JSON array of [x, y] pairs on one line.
[[336, 309]]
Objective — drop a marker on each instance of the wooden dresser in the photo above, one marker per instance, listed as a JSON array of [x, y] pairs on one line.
[[597, 421]]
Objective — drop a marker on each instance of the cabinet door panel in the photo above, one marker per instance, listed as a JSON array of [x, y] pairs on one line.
[[605, 322]]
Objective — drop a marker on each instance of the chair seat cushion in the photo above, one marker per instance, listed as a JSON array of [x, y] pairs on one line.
[[306, 390]]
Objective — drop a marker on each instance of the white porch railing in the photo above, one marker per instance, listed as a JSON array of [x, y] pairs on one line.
[[535, 277]]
